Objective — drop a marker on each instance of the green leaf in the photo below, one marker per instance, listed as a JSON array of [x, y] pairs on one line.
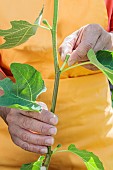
[[104, 61], [91, 161], [20, 32], [37, 165], [27, 166], [22, 94]]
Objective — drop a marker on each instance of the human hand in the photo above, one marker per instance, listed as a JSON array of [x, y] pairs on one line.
[[81, 41], [32, 131]]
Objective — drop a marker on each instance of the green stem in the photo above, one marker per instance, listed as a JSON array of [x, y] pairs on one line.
[[48, 158], [54, 36], [76, 65], [41, 26], [54, 98], [65, 62], [55, 55], [57, 73], [61, 151], [55, 92]]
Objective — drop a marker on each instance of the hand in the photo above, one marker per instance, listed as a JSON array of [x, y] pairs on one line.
[[32, 131], [81, 41]]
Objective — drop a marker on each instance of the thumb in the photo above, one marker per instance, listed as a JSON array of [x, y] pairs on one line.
[[68, 44], [43, 105]]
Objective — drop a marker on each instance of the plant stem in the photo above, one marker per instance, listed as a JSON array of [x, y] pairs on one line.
[[76, 65], [55, 92], [54, 36], [60, 151], [48, 158], [41, 26], [54, 98], [65, 62], [57, 73], [55, 55]]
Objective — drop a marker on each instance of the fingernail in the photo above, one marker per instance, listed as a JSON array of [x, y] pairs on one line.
[[43, 150], [62, 56], [49, 141], [53, 131], [54, 120]]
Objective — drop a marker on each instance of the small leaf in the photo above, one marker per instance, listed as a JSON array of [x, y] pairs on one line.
[[37, 165], [59, 146], [38, 20], [22, 94], [20, 32], [55, 149], [104, 61], [45, 22], [27, 166], [91, 161]]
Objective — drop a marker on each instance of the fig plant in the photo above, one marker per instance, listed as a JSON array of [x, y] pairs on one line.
[[23, 93]]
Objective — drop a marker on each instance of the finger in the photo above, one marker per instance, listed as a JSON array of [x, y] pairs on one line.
[[31, 124], [99, 45], [68, 44], [79, 38], [29, 147], [29, 137], [88, 41], [44, 116]]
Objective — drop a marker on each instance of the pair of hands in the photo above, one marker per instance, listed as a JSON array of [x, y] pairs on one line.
[[34, 131]]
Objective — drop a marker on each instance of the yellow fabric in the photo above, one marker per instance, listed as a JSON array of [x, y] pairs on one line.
[[84, 105]]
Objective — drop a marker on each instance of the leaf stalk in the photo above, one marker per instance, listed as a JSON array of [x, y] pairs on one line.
[[76, 65], [46, 28], [65, 62]]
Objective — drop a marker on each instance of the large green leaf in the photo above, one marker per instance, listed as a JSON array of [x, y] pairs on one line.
[[33, 166], [91, 161], [20, 32], [22, 94], [104, 61], [37, 165]]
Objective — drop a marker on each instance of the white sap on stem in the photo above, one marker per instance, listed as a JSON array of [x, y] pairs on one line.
[[43, 168]]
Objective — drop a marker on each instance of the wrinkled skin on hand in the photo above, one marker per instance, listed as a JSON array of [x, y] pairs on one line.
[[32, 131], [81, 41]]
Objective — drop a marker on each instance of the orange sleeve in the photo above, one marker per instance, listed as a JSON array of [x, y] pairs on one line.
[[111, 23], [109, 6]]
